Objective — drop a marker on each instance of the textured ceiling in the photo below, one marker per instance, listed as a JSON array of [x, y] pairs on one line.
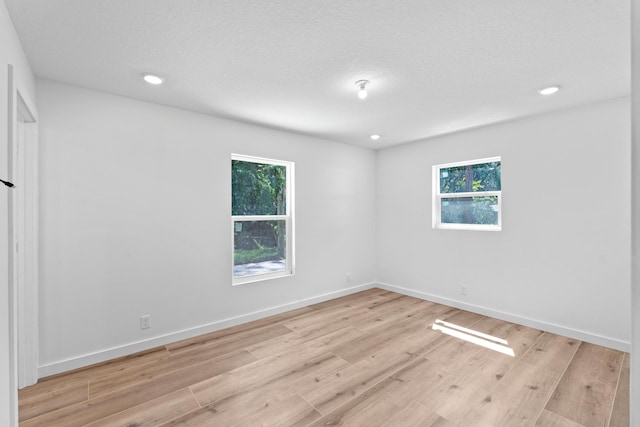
[[435, 66]]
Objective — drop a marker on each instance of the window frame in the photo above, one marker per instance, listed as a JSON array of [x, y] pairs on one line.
[[437, 198], [288, 217]]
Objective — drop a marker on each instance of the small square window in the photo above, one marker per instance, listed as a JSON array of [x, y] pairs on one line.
[[468, 195]]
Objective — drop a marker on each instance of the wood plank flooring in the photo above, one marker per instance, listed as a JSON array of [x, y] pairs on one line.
[[375, 358]]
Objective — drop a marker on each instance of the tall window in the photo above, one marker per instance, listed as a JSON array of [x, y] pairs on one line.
[[261, 216], [467, 195]]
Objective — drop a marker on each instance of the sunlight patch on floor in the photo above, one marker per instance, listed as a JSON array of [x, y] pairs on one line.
[[474, 337]]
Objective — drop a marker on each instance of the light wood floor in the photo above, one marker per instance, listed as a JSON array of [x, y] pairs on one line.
[[368, 359]]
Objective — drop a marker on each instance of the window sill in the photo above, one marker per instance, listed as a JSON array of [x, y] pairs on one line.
[[259, 278], [472, 227]]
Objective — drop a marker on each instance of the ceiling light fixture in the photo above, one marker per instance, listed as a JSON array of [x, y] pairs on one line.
[[362, 92], [375, 137], [152, 79], [549, 90]]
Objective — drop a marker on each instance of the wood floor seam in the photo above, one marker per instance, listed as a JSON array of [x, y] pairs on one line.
[[555, 386], [252, 354], [615, 393], [557, 383], [117, 413], [310, 404], [516, 360], [194, 397], [377, 383], [89, 389], [564, 371]]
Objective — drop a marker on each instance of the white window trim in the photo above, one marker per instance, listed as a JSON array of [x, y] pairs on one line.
[[288, 217], [437, 197]]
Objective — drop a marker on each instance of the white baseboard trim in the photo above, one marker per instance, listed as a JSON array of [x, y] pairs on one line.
[[134, 347], [510, 317]]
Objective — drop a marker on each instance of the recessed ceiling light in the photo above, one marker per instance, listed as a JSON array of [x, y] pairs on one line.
[[152, 79], [549, 90], [375, 137], [362, 92]]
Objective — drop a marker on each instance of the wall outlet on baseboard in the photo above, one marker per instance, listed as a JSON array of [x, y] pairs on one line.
[[463, 290], [145, 321]]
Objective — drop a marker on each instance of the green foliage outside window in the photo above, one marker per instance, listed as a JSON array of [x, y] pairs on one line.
[[475, 178], [258, 189], [471, 178]]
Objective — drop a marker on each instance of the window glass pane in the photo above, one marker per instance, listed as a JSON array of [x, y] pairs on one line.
[[469, 210], [259, 247], [258, 188], [470, 178]]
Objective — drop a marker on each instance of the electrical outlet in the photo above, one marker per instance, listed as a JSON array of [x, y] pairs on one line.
[[463, 290], [348, 277], [145, 321]]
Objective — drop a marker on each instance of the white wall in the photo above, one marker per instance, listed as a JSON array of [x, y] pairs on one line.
[[136, 220], [10, 53], [562, 260]]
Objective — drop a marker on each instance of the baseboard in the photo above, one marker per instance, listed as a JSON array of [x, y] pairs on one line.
[[510, 317], [127, 349]]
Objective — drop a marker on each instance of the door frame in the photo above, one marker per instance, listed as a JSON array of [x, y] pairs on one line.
[[23, 236]]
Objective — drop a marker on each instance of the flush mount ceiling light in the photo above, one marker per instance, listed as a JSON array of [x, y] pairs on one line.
[[152, 79], [375, 137], [549, 90], [362, 85]]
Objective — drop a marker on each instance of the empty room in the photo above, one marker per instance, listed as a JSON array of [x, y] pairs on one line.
[[319, 213]]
